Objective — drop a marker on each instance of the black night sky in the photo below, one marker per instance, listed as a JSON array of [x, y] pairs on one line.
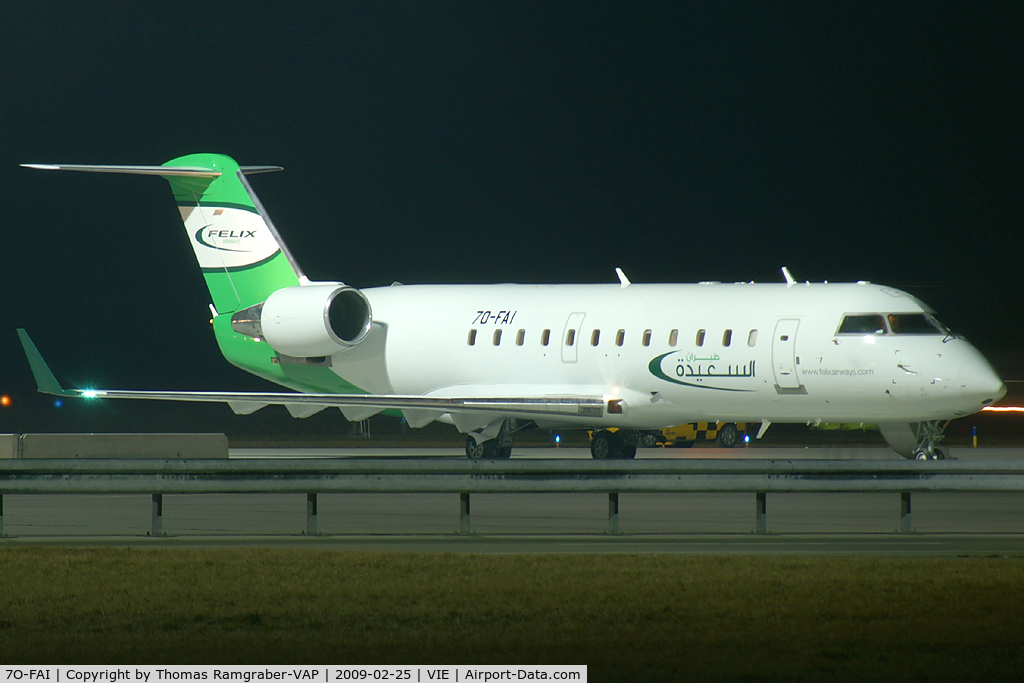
[[431, 142]]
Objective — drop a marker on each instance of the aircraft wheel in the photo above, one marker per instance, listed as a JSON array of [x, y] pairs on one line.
[[648, 440], [485, 450], [604, 446], [728, 435], [474, 450], [923, 454], [503, 453]]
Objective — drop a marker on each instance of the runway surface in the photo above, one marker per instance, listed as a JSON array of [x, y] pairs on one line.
[[717, 523]]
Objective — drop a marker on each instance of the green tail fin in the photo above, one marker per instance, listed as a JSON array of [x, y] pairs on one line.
[[242, 258]]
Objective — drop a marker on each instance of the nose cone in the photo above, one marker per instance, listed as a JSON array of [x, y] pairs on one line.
[[979, 382]]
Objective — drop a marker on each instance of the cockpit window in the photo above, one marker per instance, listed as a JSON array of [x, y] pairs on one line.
[[871, 323], [915, 323], [892, 323]]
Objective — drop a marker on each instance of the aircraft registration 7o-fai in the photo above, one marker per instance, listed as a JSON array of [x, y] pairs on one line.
[[616, 358]]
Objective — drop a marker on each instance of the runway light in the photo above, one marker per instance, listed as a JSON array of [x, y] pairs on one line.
[[5, 401], [58, 403], [558, 439]]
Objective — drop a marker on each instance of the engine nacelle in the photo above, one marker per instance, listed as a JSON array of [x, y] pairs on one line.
[[309, 321]]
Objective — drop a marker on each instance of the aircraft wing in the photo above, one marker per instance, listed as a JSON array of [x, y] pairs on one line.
[[299, 403]]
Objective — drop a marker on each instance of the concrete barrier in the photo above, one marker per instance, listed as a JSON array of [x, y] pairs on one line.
[[8, 446], [167, 446]]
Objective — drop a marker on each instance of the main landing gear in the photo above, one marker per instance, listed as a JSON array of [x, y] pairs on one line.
[[620, 445], [486, 450], [728, 435], [498, 448]]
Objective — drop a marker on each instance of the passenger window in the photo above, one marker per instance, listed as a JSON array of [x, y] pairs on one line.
[[872, 323], [520, 337], [620, 337], [497, 337], [545, 337], [472, 338], [673, 337], [727, 338], [570, 337], [595, 337], [647, 337], [752, 338], [700, 337]]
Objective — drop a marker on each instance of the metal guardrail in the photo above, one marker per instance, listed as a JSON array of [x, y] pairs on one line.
[[312, 477]]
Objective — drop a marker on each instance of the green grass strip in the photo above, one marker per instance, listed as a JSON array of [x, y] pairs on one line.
[[628, 617]]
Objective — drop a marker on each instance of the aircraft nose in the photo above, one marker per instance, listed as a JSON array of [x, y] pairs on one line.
[[979, 381]]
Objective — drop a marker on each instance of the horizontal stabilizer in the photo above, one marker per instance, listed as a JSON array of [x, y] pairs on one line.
[[165, 171], [190, 171]]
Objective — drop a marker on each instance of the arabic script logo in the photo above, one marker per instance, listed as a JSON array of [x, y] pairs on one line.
[[699, 372]]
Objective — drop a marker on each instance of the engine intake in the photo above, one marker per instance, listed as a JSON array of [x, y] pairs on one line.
[[311, 320]]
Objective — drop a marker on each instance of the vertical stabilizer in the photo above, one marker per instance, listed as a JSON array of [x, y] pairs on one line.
[[242, 258]]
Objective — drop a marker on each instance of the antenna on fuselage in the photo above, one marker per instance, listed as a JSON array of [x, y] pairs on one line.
[[623, 280], [790, 280]]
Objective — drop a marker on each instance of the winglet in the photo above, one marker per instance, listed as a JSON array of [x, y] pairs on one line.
[[45, 381]]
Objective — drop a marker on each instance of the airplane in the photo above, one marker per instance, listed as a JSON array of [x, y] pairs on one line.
[[620, 359]]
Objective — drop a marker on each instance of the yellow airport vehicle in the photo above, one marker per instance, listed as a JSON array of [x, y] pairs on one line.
[[725, 434]]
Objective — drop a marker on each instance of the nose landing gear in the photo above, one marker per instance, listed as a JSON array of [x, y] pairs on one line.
[[929, 434], [916, 441]]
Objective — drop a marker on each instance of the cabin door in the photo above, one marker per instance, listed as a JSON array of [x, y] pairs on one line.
[[784, 359], [571, 337]]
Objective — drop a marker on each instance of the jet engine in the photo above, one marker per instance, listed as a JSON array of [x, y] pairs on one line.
[[307, 321]]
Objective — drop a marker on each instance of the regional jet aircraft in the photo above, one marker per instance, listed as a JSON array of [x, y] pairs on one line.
[[495, 359]]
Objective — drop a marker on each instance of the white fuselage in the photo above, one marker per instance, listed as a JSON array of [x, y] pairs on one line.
[[671, 353]]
